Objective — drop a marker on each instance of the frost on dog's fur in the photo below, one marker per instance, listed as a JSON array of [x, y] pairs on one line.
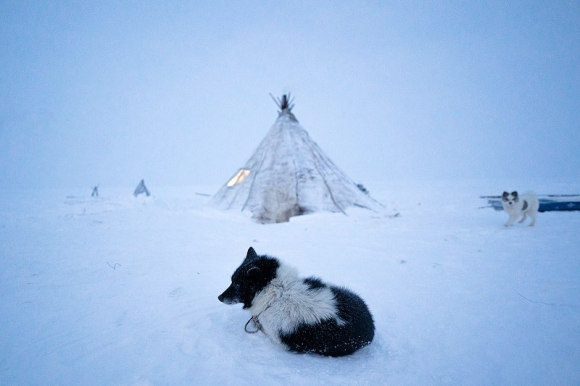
[[522, 206], [304, 315]]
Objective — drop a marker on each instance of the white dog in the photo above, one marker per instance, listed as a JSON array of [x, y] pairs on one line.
[[525, 205]]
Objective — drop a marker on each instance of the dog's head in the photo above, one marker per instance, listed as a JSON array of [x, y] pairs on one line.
[[510, 199], [251, 277]]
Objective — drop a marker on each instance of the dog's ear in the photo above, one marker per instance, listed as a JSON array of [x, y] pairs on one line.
[[251, 254], [514, 193], [505, 194], [254, 272]]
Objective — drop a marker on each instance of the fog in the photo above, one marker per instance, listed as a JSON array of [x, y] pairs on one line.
[[178, 93]]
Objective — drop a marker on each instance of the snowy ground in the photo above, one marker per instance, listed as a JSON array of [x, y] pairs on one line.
[[123, 291]]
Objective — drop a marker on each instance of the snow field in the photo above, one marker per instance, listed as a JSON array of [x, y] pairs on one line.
[[123, 291]]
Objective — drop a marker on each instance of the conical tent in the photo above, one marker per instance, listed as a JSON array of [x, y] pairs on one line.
[[289, 175]]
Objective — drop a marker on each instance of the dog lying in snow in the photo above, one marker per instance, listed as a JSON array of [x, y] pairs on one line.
[[303, 315], [520, 206]]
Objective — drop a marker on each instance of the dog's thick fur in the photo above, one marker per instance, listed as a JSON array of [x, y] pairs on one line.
[[520, 206], [303, 315]]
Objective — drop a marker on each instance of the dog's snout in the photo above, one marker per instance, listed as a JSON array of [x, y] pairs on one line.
[[229, 296], [224, 297]]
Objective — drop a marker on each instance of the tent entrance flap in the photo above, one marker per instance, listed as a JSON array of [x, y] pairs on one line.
[[239, 177]]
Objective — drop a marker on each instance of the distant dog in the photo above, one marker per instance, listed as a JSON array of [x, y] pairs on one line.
[[303, 315], [520, 206]]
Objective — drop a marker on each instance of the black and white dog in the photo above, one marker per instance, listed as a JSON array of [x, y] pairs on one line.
[[304, 315], [522, 206]]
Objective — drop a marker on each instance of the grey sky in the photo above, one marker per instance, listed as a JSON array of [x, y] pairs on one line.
[[177, 92]]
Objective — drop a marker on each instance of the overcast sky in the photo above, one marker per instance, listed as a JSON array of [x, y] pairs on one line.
[[178, 92]]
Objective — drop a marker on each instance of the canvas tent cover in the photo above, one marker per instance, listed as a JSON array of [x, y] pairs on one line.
[[289, 175]]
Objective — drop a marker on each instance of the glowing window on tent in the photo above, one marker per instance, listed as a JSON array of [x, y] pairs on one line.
[[239, 177]]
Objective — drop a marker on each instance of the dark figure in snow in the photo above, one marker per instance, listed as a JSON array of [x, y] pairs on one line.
[[95, 191], [141, 188]]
